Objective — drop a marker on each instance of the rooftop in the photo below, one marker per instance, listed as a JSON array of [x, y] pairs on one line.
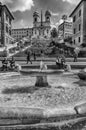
[[76, 7], [17, 29], [47, 13], [66, 23], [4, 6]]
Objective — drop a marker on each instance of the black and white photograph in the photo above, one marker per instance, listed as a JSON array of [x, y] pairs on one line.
[[42, 64]]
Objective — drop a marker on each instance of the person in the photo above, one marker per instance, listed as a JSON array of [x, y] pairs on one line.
[[67, 67], [18, 68], [12, 63], [75, 57], [58, 59], [4, 64], [28, 58], [58, 62], [63, 61]]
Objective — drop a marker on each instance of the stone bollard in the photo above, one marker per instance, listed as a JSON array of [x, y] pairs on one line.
[[41, 81]]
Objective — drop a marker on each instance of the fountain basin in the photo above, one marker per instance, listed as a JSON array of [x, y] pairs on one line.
[[41, 81], [82, 75], [33, 115], [43, 106], [38, 71], [32, 118]]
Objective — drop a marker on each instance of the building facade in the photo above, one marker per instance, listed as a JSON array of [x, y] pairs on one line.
[[65, 30], [79, 23], [18, 34], [5, 25], [41, 28]]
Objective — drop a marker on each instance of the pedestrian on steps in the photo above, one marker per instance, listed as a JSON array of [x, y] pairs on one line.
[[29, 58]]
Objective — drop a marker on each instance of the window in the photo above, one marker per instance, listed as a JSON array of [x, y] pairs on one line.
[[35, 31], [0, 26], [39, 32], [74, 18], [9, 21], [7, 40], [79, 39], [79, 13], [47, 19], [9, 31], [47, 31], [74, 41], [27, 33], [32, 32], [7, 28], [43, 32], [35, 20], [6, 17], [74, 31], [79, 27]]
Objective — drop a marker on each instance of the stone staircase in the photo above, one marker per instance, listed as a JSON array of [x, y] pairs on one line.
[[13, 49]]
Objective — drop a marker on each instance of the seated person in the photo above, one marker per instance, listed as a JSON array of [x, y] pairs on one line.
[[12, 63], [18, 67], [67, 67], [62, 62], [4, 64]]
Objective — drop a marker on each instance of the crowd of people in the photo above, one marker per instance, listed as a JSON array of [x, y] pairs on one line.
[[61, 63], [8, 64]]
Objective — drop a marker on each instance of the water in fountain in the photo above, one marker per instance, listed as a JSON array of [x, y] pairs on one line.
[[60, 98], [43, 66], [41, 79]]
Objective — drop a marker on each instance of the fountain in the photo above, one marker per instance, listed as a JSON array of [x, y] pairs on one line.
[[41, 79], [41, 102], [41, 74], [82, 74]]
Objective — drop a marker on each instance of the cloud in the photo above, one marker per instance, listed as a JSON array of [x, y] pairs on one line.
[[6, 1], [20, 24], [56, 6], [72, 1], [23, 10], [54, 14], [19, 5]]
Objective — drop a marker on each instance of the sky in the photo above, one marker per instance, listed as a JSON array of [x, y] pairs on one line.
[[23, 10]]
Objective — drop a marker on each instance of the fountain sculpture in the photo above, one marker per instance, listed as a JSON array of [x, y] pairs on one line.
[[41, 79]]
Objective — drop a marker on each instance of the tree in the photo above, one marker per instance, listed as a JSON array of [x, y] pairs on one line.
[[54, 33], [68, 39], [64, 17]]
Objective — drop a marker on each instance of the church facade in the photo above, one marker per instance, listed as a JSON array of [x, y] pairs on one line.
[[41, 28]]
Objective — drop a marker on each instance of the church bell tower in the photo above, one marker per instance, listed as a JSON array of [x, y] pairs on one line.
[[47, 16], [35, 18]]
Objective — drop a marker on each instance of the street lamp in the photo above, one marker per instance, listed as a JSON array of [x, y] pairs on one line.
[[64, 18]]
